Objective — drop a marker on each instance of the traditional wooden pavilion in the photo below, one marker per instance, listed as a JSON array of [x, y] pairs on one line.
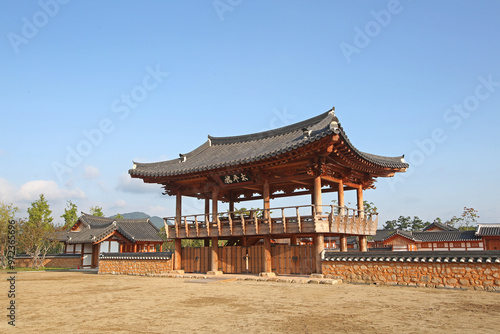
[[307, 158]]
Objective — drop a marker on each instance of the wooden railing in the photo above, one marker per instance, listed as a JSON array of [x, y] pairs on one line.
[[281, 220]]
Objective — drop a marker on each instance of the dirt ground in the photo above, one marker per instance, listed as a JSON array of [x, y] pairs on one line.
[[71, 302]]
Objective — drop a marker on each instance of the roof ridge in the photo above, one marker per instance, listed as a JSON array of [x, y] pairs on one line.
[[273, 132]]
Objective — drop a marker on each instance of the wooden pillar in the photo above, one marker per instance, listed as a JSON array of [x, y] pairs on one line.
[[343, 243], [293, 240], [359, 193], [363, 244], [266, 196], [206, 242], [215, 203], [316, 195], [319, 246], [215, 257], [178, 207], [267, 254], [340, 198], [231, 202], [121, 248], [177, 254], [207, 206]]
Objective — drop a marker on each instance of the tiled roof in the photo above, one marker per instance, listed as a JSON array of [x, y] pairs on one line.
[[220, 152], [446, 236], [96, 228], [438, 236], [443, 227], [418, 256], [137, 256], [488, 230], [381, 235]]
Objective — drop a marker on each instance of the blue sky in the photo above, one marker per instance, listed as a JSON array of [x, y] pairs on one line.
[[88, 87]]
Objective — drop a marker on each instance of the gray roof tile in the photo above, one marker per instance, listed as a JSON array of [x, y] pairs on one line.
[[220, 152], [488, 230], [96, 228]]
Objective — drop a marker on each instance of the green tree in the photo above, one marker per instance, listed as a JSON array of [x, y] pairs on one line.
[[453, 222], [37, 235], [7, 213], [369, 208], [468, 218], [96, 211], [406, 223], [118, 216], [39, 212], [70, 215]]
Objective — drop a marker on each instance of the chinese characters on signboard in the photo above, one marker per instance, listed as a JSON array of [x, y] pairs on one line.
[[235, 178]]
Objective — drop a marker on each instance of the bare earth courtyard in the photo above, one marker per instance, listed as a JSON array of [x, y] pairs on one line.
[[74, 302]]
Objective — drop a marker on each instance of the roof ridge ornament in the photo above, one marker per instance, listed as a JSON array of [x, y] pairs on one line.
[[182, 157], [332, 111]]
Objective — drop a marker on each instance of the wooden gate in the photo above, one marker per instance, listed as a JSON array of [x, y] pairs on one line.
[[196, 259], [293, 260], [286, 259]]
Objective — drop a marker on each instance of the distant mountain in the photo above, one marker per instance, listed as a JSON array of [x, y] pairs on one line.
[[157, 221]]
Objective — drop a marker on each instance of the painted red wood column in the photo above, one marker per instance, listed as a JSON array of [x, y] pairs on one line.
[[177, 265], [267, 204], [343, 243], [340, 197], [316, 195], [267, 254], [177, 254], [363, 245], [215, 203], [214, 264], [319, 246], [359, 195]]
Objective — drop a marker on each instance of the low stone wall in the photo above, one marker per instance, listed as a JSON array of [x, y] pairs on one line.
[[474, 270], [51, 261], [135, 263]]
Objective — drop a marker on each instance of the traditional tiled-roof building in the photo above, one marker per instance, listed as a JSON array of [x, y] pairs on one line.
[[310, 158], [92, 235], [434, 241], [490, 234]]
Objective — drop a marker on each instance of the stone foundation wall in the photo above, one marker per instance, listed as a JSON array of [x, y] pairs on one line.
[[135, 264], [440, 272], [51, 261]]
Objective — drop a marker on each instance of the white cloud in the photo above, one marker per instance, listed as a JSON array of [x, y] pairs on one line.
[[30, 191], [136, 186], [91, 172], [119, 203], [157, 210]]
